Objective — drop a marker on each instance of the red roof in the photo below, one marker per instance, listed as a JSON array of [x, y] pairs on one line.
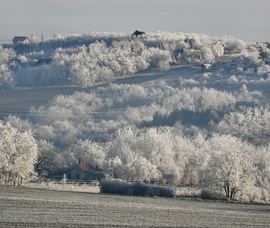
[[85, 166]]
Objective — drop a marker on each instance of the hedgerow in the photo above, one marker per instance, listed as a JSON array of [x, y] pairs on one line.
[[138, 188]]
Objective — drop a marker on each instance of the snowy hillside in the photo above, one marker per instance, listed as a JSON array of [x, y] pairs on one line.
[[183, 109]]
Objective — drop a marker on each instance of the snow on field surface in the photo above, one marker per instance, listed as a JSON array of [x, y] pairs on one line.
[[31, 207], [76, 187]]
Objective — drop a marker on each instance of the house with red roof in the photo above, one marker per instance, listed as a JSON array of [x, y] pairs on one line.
[[84, 171], [81, 172]]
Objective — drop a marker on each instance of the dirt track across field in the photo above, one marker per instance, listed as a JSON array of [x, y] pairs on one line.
[[28, 207]]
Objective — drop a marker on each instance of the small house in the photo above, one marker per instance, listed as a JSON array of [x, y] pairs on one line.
[[81, 172], [21, 39]]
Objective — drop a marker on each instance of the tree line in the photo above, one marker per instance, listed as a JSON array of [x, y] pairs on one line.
[[206, 128]]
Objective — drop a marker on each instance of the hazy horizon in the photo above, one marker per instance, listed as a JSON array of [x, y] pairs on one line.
[[241, 19]]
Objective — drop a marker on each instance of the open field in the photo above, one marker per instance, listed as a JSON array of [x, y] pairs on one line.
[[29, 207], [18, 102]]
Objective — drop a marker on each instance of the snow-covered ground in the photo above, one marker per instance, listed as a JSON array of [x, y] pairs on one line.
[[71, 187], [30, 207]]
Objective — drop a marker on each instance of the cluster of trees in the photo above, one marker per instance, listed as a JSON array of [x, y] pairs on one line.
[[200, 128], [175, 155], [69, 118], [117, 127], [216, 162], [101, 57]]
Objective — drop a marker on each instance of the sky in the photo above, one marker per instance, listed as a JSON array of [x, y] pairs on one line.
[[248, 20]]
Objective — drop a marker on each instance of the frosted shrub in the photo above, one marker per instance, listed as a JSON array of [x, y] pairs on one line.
[[254, 194], [6, 79], [114, 186], [159, 58], [206, 75], [138, 188], [265, 195], [213, 195], [234, 46], [240, 69], [264, 68], [233, 80], [218, 49]]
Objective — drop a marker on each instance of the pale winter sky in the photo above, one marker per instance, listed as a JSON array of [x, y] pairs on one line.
[[244, 19]]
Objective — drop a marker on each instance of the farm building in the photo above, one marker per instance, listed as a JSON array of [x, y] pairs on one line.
[[21, 39], [81, 172]]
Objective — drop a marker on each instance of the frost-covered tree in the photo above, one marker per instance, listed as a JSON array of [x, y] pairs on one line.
[[231, 166], [6, 78], [151, 154], [160, 58], [234, 46], [252, 123], [49, 157], [6, 54], [262, 164], [18, 154], [87, 151], [218, 49], [18, 123]]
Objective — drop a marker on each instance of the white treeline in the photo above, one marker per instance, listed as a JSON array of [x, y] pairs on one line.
[[83, 115], [167, 134], [101, 63], [101, 57], [18, 154], [218, 163]]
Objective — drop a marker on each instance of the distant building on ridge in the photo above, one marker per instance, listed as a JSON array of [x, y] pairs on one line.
[[21, 39]]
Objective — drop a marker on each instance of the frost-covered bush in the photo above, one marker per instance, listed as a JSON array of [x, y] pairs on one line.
[[138, 188], [159, 58], [6, 54], [114, 186], [234, 46], [6, 79], [212, 195]]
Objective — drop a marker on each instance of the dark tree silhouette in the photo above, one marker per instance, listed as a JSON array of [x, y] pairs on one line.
[[138, 33]]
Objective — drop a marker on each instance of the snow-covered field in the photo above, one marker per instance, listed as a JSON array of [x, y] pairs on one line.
[[31, 207]]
